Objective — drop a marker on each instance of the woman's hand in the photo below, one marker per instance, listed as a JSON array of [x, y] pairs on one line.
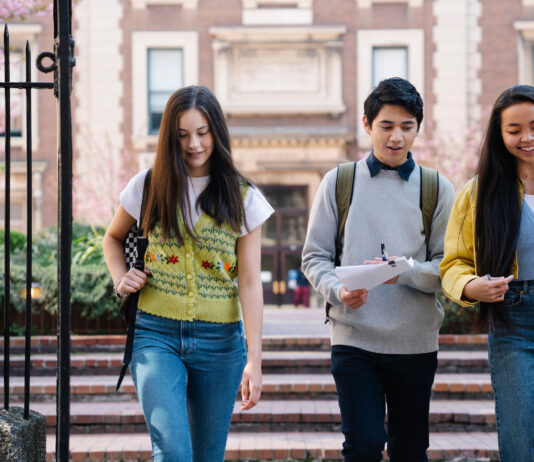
[[487, 290], [353, 298], [132, 281], [251, 385]]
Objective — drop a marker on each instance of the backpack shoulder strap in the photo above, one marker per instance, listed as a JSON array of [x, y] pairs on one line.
[[344, 187], [146, 189], [346, 173], [428, 199]]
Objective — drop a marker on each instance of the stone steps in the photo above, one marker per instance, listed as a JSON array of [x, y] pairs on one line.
[[108, 343], [294, 446], [275, 386], [273, 362], [266, 416], [297, 418]]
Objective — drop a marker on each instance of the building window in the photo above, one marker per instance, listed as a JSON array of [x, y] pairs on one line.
[[16, 75], [17, 214], [162, 62], [389, 62], [165, 75], [411, 3], [384, 53], [20, 34], [186, 4], [277, 12]]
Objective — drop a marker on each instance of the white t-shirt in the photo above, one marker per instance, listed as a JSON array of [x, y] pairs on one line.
[[529, 199], [257, 209]]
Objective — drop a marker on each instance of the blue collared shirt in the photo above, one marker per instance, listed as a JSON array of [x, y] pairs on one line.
[[405, 170]]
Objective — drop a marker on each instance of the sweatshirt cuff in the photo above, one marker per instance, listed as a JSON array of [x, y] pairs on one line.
[[335, 300], [456, 294]]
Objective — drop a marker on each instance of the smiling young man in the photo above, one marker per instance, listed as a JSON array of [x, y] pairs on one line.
[[385, 341]]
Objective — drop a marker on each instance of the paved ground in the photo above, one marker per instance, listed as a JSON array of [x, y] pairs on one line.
[[288, 320]]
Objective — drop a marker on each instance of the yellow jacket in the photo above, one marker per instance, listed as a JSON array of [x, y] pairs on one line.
[[458, 266]]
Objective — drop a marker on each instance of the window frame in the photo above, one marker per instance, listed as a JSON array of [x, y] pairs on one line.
[[375, 47], [186, 4], [525, 51], [18, 35], [411, 3], [149, 90], [142, 41], [367, 39]]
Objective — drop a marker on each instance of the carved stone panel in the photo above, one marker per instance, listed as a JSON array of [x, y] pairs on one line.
[[279, 70]]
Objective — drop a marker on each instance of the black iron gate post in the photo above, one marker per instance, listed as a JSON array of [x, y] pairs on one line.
[[64, 48], [62, 63]]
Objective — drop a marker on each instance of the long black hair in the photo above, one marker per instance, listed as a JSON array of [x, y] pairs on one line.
[[498, 209], [222, 198]]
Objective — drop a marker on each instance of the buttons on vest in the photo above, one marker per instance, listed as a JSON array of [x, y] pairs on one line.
[[202, 285]]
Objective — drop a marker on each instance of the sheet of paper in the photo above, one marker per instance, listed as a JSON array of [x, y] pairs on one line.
[[369, 276]]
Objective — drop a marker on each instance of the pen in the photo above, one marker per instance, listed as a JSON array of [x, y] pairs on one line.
[[383, 251]]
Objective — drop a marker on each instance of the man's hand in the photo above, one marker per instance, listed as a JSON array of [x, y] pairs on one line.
[[378, 260], [353, 298]]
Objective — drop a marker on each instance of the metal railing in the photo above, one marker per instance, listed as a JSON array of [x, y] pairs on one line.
[[62, 61]]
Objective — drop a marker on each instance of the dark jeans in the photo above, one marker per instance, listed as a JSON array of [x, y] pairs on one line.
[[365, 382]]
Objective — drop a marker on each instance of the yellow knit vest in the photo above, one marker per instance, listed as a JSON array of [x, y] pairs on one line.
[[195, 281]]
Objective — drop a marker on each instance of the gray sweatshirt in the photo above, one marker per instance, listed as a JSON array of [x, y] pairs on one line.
[[401, 318]]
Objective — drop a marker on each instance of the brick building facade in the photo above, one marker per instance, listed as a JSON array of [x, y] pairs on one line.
[[291, 75]]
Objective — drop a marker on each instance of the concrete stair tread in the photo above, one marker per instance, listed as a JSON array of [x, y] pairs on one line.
[[126, 412], [272, 383], [284, 339], [266, 446], [103, 358]]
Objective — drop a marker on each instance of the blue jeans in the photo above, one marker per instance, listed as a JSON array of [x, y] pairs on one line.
[[511, 355], [365, 382], [187, 375]]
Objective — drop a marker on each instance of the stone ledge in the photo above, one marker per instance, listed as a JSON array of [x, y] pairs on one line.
[[22, 440]]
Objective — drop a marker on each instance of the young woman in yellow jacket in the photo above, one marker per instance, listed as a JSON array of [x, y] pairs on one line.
[[489, 260]]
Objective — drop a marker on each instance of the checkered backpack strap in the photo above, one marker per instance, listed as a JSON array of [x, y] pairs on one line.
[[130, 247], [130, 243]]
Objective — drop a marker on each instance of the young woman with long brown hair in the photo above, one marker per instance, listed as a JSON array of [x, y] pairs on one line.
[[203, 221]]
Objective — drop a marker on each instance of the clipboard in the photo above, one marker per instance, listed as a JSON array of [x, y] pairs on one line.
[[370, 276]]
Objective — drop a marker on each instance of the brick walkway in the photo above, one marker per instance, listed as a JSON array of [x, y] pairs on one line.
[[270, 446], [480, 412]]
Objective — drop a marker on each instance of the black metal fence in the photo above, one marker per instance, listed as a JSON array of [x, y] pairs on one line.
[[62, 61]]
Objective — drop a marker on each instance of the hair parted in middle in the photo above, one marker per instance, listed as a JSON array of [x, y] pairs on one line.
[[168, 194], [397, 92], [498, 211]]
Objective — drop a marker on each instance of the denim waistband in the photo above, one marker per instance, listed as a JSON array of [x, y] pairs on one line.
[[526, 287]]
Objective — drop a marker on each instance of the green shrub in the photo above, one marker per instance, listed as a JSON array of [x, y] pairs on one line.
[[91, 285], [458, 320], [17, 241]]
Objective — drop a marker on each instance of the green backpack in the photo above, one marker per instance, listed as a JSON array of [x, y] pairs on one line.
[[428, 199]]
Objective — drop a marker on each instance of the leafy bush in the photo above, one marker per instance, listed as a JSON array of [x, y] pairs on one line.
[[91, 285], [458, 320], [17, 241]]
